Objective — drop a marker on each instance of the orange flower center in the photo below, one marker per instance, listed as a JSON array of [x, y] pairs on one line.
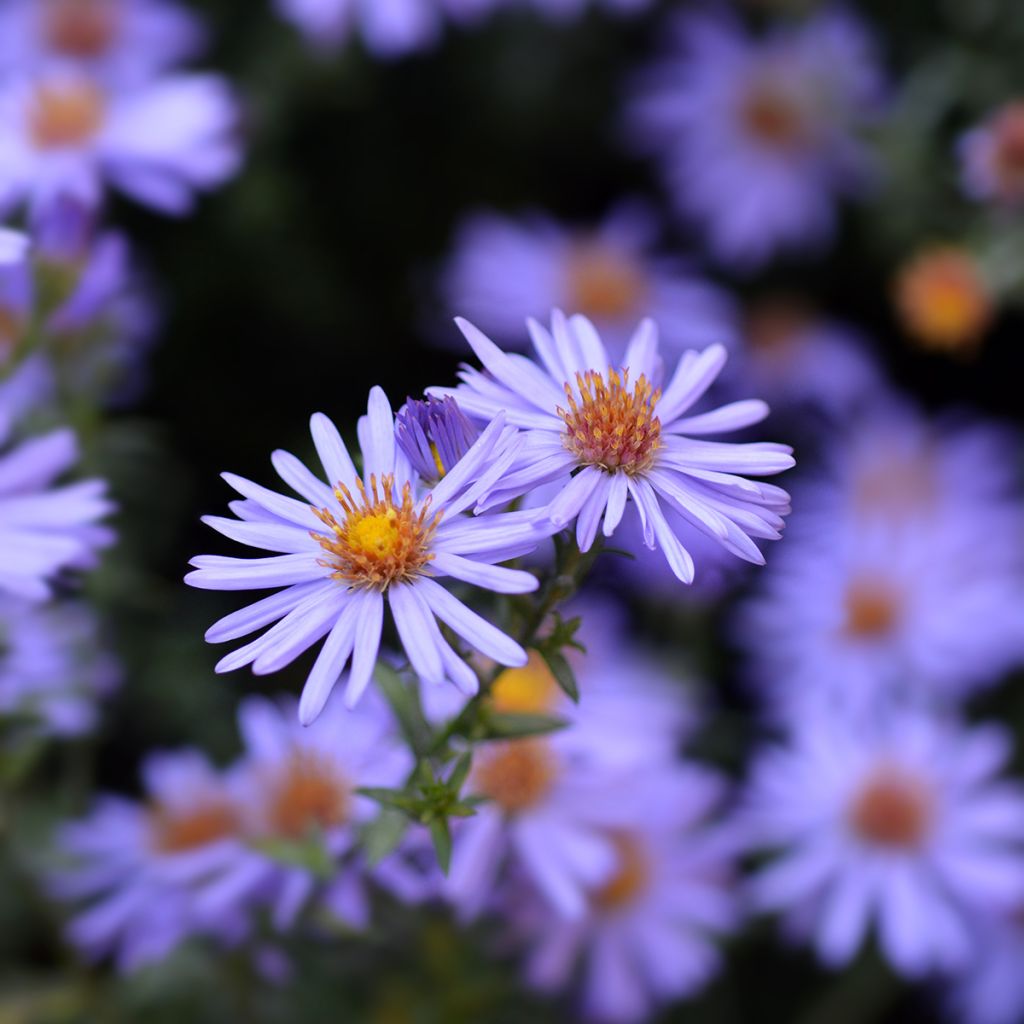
[[311, 794], [80, 28], [529, 690], [602, 283], [892, 810], [775, 323], [872, 609], [377, 541], [65, 115], [613, 425], [898, 487], [630, 879], [176, 832], [772, 118], [516, 775], [943, 300]]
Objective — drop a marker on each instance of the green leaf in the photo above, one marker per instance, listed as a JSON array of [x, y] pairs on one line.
[[405, 703], [383, 834], [563, 673], [391, 798], [510, 725], [442, 838], [309, 853], [459, 773]]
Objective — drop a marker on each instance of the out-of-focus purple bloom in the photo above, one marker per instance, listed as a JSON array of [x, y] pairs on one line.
[[553, 802], [298, 785], [13, 246], [990, 989], [136, 864], [903, 826], [757, 138], [503, 271], [608, 435], [356, 544], [646, 935], [799, 361], [118, 41], [434, 435], [992, 157], [66, 136], [53, 668], [45, 529]]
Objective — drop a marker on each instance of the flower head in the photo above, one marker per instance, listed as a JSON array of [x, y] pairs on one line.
[[609, 433], [758, 137], [905, 827], [434, 434], [992, 156], [356, 544]]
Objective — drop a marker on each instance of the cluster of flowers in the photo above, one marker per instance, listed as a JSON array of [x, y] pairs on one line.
[[88, 98]]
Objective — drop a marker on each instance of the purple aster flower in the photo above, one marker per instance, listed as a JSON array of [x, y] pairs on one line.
[[800, 361], [136, 864], [44, 529], [554, 802], [53, 668], [757, 138], [434, 435], [610, 434], [904, 827], [66, 136], [503, 271], [350, 547], [646, 936], [992, 157], [990, 989], [116, 40], [298, 784]]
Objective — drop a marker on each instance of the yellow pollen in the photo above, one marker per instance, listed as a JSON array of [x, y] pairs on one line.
[[65, 115], [612, 426], [603, 283], [943, 300], [310, 794], [529, 690], [175, 832], [891, 809], [376, 542], [630, 878], [437, 460], [80, 28], [516, 774]]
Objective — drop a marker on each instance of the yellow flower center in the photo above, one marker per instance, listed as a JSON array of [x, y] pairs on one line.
[[613, 425], [309, 794], [176, 831], [376, 541], [630, 879], [943, 300], [65, 115], [872, 609], [80, 28], [892, 809], [529, 690], [516, 774], [603, 283]]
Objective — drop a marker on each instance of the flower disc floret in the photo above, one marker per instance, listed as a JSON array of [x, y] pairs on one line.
[[80, 28], [378, 541], [612, 426], [65, 115]]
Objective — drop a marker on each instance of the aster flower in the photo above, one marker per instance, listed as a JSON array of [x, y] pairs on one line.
[[646, 936], [621, 436], [66, 136], [53, 669], [44, 529], [296, 785], [992, 157], [503, 270], [990, 989], [370, 541], [135, 864], [757, 138], [904, 827], [118, 41], [552, 803]]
